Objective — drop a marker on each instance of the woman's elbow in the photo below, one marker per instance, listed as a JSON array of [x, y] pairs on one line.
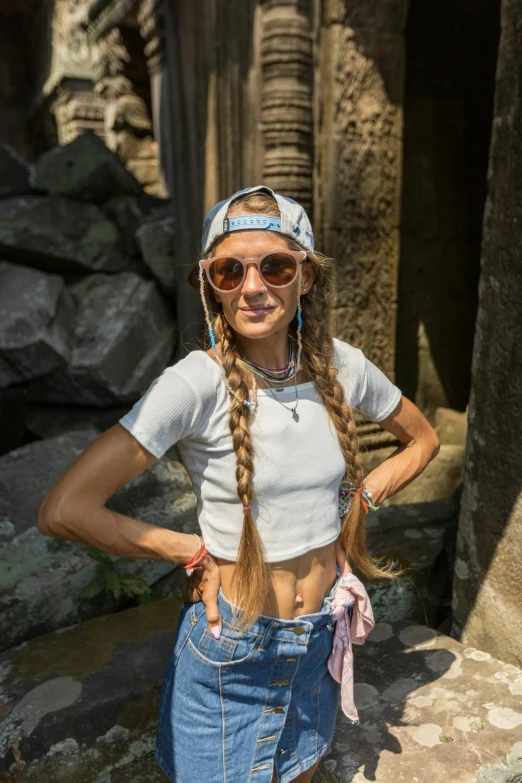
[[433, 445], [51, 516]]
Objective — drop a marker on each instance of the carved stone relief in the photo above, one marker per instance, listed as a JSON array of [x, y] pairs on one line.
[[359, 169], [286, 102]]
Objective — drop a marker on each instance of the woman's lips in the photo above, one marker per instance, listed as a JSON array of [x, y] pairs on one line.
[[256, 310]]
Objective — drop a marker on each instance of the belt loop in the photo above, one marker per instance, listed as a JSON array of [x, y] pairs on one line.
[[265, 641]]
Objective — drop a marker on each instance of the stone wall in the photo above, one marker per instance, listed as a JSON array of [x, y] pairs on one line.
[[488, 572]]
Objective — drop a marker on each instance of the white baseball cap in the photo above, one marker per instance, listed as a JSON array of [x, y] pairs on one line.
[[293, 223]]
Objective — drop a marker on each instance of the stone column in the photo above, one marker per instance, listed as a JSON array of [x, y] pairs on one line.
[[151, 18], [287, 90], [487, 602], [209, 46], [361, 79]]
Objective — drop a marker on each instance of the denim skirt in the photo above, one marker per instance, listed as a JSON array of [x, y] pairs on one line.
[[234, 709]]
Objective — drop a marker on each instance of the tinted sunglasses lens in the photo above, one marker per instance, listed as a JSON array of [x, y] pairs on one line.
[[278, 269], [226, 273]]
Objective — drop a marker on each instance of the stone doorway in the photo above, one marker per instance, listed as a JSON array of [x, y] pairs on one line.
[[451, 50]]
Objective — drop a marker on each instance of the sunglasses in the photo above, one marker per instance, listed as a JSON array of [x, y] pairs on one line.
[[276, 269]]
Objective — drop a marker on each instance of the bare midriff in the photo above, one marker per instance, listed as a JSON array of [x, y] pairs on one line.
[[299, 585]]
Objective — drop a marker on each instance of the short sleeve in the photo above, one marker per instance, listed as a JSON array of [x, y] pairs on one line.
[[378, 395], [169, 410]]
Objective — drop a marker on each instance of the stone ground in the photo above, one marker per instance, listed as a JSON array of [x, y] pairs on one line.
[[82, 703], [431, 710]]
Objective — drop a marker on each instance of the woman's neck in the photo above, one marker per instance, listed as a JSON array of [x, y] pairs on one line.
[[268, 352]]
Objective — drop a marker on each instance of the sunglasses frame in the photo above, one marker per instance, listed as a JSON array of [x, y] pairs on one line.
[[298, 255]]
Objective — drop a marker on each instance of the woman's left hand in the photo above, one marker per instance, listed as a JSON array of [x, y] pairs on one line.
[[342, 560]]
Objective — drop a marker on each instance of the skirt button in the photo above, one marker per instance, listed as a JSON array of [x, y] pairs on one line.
[[298, 630]]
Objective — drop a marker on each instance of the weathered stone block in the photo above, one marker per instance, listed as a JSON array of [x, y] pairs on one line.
[[439, 480], [56, 234], [14, 173], [129, 212], [413, 536], [430, 710], [156, 240], [36, 325], [451, 426], [82, 702], [124, 337], [40, 576], [85, 170]]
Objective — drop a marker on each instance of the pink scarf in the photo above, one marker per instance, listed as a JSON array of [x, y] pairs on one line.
[[349, 592]]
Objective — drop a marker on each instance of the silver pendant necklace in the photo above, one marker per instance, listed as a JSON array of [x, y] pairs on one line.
[[295, 415], [290, 371]]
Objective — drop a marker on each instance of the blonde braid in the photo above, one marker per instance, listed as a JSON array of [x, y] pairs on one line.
[[318, 353], [251, 580]]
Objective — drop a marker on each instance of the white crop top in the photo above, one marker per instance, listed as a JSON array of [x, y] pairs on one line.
[[298, 466]]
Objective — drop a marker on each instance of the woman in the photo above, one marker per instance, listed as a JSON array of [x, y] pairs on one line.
[[263, 420]]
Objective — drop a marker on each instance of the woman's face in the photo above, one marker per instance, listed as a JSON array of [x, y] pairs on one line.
[[251, 310]]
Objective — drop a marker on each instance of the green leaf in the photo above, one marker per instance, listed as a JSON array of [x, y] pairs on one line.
[[134, 585], [114, 583], [96, 554], [93, 588]]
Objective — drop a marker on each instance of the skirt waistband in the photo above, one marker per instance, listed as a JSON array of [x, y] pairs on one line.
[[307, 621]]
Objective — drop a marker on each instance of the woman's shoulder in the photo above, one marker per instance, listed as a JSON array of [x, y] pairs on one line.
[[347, 356], [198, 370]]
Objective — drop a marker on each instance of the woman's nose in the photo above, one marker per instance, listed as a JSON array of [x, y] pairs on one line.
[[253, 283]]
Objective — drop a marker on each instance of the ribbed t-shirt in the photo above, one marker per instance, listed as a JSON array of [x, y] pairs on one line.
[[298, 466]]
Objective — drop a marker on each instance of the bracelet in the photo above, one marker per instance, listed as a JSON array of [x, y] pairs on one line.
[[366, 497], [197, 557]]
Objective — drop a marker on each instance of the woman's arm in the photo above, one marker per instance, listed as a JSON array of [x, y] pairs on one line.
[[419, 445], [74, 508]]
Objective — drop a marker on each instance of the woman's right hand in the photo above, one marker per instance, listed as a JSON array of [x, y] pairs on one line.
[[203, 585]]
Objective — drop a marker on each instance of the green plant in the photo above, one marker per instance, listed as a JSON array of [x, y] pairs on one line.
[[109, 580]]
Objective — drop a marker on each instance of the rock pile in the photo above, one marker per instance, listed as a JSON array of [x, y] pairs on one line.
[[88, 318], [86, 326]]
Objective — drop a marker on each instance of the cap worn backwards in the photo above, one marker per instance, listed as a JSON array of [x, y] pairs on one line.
[[293, 223]]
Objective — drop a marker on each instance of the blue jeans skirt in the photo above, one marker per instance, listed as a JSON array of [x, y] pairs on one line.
[[234, 709]]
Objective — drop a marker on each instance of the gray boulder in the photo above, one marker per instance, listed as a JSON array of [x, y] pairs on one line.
[[40, 576], [124, 338], [129, 212], [36, 325], [14, 173], [156, 240], [55, 234], [86, 170]]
